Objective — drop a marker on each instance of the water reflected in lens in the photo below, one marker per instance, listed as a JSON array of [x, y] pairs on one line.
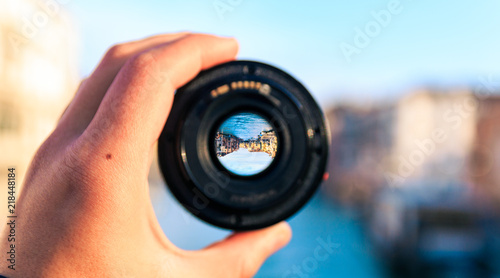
[[246, 144]]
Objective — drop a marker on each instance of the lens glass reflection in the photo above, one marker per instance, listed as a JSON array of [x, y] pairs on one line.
[[246, 144]]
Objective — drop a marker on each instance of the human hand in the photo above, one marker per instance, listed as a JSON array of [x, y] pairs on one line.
[[84, 209]]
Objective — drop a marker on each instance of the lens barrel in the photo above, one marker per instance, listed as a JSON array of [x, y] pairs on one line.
[[192, 144]]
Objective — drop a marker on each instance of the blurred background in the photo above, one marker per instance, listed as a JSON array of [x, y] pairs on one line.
[[410, 88]]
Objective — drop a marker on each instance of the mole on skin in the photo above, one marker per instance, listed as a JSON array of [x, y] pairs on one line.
[[108, 156]]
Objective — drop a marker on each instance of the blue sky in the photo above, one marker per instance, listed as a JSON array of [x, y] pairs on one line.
[[426, 43]]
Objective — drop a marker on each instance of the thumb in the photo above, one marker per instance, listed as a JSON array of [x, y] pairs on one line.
[[243, 253]]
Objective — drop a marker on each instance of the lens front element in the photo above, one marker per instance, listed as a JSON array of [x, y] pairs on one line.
[[246, 144]]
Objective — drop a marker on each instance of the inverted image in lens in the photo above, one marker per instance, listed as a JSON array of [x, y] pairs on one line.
[[246, 144]]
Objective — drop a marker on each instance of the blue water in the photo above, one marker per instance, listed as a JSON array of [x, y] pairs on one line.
[[320, 221], [245, 125], [245, 163]]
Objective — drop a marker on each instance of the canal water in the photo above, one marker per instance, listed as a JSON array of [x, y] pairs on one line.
[[244, 162], [327, 241]]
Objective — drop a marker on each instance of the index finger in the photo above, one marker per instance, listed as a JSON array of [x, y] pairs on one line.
[[135, 108]]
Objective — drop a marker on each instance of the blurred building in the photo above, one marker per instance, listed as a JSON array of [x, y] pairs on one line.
[[38, 77], [269, 142], [425, 173], [433, 136], [226, 144], [362, 138], [447, 136], [484, 162]]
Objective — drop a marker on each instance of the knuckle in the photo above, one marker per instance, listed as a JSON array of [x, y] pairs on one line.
[[191, 43], [115, 52], [141, 61], [191, 37], [145, 71], [195, 37]]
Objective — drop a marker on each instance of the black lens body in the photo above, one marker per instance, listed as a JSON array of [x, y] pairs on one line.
[[187, 154]]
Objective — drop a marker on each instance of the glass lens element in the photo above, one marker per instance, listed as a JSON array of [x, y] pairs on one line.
[[246, 144]]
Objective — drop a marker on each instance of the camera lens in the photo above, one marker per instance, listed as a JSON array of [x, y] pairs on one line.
[[245, 146]]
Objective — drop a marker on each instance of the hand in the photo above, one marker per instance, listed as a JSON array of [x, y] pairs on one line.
[[84, 209]]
